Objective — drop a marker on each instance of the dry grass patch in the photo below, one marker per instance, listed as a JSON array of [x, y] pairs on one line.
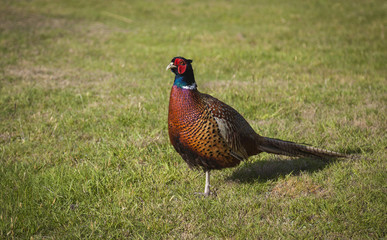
[[296, 187], [14, 18], [56, 78]]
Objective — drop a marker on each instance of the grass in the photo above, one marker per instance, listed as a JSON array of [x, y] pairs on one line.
[[83, 109]]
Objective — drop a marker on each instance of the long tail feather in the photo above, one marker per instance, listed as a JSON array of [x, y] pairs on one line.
[[281, 147]]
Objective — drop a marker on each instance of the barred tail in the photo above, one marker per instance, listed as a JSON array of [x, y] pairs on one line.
[[281, 147]]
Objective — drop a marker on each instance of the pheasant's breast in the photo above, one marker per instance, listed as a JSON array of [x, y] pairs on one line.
[[195, 133]]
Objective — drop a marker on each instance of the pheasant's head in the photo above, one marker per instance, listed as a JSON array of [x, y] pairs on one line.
[[182, 68]]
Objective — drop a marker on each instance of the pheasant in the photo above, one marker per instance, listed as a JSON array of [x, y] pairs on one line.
[[209, 134]]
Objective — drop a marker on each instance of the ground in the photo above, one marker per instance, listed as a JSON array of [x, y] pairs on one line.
[[84, 147]]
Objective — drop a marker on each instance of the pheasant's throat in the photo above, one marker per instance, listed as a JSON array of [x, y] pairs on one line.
[[184, 83]]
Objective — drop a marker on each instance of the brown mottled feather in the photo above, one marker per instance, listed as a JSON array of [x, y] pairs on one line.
[[206, 132], [209, 134]]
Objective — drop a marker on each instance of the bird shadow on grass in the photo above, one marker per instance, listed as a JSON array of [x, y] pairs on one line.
[[277, 167]]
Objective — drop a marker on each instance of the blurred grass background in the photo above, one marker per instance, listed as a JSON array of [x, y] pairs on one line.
[[83, 118]]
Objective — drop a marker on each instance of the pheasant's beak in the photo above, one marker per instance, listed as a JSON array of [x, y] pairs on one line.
[[170, 66]]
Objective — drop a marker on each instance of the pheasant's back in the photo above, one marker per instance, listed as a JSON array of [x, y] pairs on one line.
[[201, 133]]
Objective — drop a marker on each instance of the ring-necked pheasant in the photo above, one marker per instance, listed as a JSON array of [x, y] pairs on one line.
[[209, 134]]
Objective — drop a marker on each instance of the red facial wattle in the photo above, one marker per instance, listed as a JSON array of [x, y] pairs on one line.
[[181, 65], [181, 68]]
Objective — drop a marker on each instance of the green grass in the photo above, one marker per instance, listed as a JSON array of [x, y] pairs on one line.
[[84, 147]]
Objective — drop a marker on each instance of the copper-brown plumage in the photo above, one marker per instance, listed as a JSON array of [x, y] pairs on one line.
[[209, 134]]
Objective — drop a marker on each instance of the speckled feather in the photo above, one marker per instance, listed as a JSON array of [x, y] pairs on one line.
[[206, 132]]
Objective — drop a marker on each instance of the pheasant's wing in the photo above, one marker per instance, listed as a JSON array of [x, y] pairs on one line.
[[232, 126]]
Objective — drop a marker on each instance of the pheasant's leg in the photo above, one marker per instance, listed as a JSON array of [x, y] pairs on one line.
[[207, 186]]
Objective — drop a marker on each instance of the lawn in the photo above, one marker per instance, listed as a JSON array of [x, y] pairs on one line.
[[84, 147]]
